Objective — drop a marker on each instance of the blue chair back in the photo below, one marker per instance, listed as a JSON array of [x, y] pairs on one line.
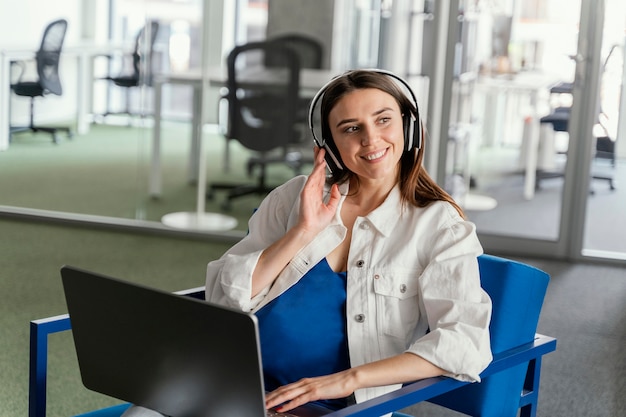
[[517, 292]]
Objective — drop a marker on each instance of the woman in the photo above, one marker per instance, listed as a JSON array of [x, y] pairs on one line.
[[366, 279]]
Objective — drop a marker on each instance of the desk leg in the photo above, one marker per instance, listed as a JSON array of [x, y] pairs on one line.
[[199, 219], [196, 134], [85, 92], [155, 166], [531, 132], [5, 99], [81, 100]]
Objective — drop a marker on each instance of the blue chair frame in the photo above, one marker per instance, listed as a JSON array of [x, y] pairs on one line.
[[511, 360]]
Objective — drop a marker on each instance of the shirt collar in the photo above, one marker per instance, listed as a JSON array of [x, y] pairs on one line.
[[385, 217]]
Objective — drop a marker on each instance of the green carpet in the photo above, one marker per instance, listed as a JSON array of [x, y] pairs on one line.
[[31, 288], [105, 173]]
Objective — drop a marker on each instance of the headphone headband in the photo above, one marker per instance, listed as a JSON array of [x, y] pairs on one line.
[[412, 123]]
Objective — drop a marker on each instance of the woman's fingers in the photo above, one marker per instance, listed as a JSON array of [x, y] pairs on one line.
[[290, 396], [331, 386], [315, 213]]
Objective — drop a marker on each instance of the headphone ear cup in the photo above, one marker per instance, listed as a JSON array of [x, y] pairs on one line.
[[407, 126], [417, 134]]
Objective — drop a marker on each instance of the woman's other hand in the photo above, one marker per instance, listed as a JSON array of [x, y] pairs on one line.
[[288, 397]]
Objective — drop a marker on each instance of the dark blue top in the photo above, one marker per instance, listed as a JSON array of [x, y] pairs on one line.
[[303, 331]]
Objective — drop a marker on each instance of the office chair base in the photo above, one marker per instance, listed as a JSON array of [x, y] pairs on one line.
[[293, 159], [235, 191], [542, 175], [45, 129], [120, 118], [609, 179]]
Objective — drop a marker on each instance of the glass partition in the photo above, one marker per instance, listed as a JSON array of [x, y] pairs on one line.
[[603, 231], [506, 162], [501, 160], [101, 169]]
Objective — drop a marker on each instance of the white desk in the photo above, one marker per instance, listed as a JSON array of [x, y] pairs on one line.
[[6, 56], [310, 80], [531, 84], [84, 53]]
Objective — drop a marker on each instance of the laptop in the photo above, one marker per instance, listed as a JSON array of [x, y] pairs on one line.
[[180, 356]]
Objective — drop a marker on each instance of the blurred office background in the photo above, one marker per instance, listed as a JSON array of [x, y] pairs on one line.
[[483, 72], [523, 102]]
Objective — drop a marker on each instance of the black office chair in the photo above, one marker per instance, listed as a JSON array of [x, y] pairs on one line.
[[559, 120], [48, 82], [261, 105], [309, 50], [139, 73]]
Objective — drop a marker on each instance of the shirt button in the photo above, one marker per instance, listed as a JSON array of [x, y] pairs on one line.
[[365, 226], [402, 288], [376, 276], [360, 263], [360, 318]]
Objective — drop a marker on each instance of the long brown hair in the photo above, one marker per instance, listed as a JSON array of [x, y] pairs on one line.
[[416, 186]]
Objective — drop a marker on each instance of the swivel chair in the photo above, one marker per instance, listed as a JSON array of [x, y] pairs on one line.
[[141, 69], [309, 52], [48, 82], [262, 106], [559, 120]]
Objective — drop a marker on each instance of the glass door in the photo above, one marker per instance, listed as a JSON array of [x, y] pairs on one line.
[[508, 162], [518, 148], [603, 233]]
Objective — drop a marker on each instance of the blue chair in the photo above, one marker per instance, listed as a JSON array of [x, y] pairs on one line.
[[509, 385]]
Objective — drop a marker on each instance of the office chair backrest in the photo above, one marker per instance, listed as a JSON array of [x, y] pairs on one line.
[[309, 50], [49, 55], [262, 101], [517, 291], [143, 52]]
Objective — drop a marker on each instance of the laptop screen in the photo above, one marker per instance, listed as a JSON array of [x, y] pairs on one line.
[[170, 353]]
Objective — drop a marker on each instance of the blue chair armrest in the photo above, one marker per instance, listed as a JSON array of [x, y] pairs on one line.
[[426, 389], [39, 331]]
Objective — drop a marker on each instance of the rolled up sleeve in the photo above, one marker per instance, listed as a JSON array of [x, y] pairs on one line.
[[457, 308], [229, 279]]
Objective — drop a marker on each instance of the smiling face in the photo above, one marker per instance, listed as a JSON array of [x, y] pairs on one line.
[[366, 127]]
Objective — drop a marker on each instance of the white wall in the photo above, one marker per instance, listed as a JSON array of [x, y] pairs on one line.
[[22, 23], [314, 18], [22, 27]]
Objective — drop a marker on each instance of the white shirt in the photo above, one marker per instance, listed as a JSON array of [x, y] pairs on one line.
[[410, 269]]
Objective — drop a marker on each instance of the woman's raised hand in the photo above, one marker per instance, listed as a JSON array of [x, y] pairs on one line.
[[315, 214]]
